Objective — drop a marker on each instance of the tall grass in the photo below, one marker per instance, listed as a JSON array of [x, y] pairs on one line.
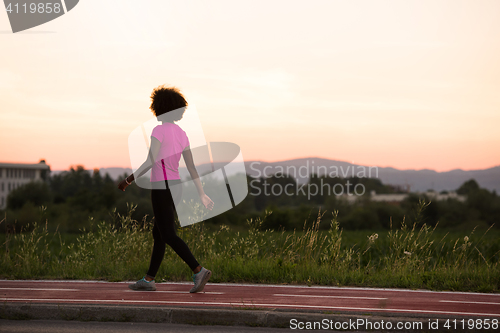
[[409, 257]]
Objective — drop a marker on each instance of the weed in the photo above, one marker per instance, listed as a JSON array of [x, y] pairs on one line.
[[413, 256]]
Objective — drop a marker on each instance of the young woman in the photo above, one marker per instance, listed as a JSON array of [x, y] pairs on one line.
[[168, 143]]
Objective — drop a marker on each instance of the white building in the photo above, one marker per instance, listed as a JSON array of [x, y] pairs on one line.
[[13, 175], [396, 198], [445, 196], [432, 195]]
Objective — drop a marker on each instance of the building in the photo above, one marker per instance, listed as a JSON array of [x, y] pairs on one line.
[[397, 198], [394, 198], [13, 175], [432, 195]]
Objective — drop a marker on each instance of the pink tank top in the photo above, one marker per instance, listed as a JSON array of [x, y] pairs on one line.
[[173, 141]]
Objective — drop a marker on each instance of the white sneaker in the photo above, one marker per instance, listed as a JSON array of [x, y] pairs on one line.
[[200, 280], [144, 285]]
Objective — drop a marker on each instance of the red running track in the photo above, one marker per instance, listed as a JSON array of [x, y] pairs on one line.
[[365, 300]]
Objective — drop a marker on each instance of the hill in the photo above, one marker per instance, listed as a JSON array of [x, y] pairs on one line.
[[418, 180]]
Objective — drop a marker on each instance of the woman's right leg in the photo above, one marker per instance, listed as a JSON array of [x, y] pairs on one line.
[[158, 253], [164, 232]]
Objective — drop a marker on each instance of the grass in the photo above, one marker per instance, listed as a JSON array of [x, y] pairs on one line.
[[407, 257]]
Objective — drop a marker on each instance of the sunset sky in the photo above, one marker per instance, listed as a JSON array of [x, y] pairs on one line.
[[407, 84]]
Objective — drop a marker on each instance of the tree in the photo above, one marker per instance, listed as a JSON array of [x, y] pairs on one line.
[[38, 193], [468, 187]]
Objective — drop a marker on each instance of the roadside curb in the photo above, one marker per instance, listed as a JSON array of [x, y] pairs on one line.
[[275, 318]]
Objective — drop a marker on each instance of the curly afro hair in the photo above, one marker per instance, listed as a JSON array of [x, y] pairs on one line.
[[167, 99]]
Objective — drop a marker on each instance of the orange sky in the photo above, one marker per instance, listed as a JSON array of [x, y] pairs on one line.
[[407, 84]]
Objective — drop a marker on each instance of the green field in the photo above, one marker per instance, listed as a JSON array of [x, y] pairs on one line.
[[412, 256]]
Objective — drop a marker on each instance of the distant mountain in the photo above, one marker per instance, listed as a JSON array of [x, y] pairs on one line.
[[115, 173], [418, 180]]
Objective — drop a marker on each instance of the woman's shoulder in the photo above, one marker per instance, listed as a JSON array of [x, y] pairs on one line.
[[177, 128], [169, 127]]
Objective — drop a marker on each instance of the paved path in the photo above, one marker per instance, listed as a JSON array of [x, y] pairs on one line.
[[235, 296]]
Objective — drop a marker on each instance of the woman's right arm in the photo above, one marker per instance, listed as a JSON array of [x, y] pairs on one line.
[[148, 163], [188, 158]]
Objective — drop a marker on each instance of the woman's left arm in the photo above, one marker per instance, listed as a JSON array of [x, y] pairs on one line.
[[148, 163]]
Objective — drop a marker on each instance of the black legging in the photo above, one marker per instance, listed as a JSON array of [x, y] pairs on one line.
[[164, 229]]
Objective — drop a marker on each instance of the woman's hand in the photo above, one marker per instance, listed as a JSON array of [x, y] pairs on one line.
[[123, 184], [207, 202]]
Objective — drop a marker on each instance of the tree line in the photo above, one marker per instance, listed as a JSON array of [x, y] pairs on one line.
[[73, 199]]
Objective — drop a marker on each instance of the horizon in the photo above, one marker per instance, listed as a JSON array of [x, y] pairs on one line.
[[418, 180], [292, 159], [408, 85]]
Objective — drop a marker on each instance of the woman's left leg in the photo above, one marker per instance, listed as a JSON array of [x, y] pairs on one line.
[[163, 208]]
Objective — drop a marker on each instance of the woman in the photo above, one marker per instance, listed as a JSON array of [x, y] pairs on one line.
[[168, 143]]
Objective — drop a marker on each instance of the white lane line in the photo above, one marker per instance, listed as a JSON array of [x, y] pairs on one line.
[[254, 304], [353, 297], [266, 286], [44, 289], [174, 292], [469, 302]]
